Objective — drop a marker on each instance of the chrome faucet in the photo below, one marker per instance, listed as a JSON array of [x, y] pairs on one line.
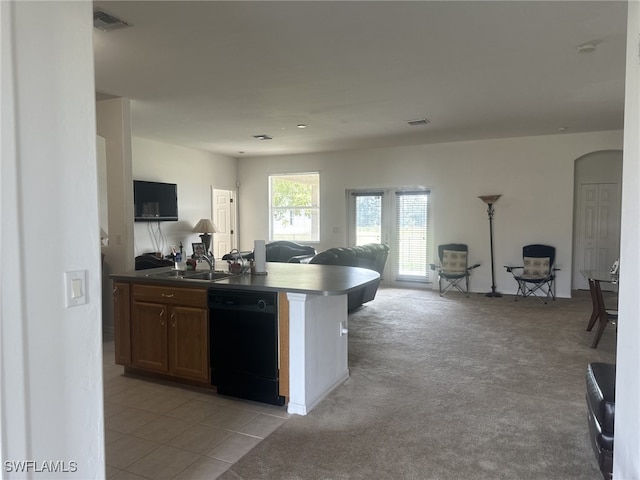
[[211, 261]]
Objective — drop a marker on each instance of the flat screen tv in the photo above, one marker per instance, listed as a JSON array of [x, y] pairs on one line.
[[155, 201]]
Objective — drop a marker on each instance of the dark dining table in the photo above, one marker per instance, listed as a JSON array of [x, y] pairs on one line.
[[599, 312]]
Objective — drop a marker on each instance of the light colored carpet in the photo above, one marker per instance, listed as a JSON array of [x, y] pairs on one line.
[[449, 388]]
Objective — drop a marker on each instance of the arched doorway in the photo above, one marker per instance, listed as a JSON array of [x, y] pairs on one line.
[[596, 213]]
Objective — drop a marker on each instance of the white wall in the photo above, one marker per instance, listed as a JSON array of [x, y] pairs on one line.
[[50, 356], [626, 459], [533, 174], [113, 121], [195, 172]]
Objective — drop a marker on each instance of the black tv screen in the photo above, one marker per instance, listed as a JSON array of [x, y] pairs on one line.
[[155, 201]]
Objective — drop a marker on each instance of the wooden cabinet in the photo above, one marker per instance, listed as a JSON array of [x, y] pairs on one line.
[[122, 322], [170, 331]]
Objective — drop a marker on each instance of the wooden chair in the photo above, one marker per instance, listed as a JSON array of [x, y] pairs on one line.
[[601, 314]]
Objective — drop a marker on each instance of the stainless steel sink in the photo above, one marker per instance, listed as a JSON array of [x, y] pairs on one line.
[[202, 275], [208, 275], [169, 274]]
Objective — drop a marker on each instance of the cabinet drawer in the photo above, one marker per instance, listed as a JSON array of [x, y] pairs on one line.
[[193, 297]]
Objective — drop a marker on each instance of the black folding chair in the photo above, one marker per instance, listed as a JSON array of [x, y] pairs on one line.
[[453, 268], [536, 277]]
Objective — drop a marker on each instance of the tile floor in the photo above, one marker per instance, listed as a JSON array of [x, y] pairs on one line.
[[156, 430]]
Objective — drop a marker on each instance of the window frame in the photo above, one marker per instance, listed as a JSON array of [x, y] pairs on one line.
[[314, 232]]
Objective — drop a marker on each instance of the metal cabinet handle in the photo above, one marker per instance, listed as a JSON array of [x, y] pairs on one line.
[[168, 295], [162, 317], [173, 320]]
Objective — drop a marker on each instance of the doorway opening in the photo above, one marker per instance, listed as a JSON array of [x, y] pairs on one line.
[[596, 214]]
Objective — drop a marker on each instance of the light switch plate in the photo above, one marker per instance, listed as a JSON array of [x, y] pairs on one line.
[[75, 288]]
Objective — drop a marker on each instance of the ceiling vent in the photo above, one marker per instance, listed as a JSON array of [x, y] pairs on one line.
[[417, 122], [264, 136], [106, 22]]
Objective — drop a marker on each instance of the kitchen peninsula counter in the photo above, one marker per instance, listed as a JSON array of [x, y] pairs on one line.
[[281, 277], [314, 345]]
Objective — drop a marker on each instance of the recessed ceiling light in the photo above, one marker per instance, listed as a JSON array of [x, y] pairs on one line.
[[264, 136], [301, 125], [418, 121], [562, 129]]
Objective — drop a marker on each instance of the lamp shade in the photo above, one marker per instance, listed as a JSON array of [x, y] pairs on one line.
[[205, 225], [489, 199]]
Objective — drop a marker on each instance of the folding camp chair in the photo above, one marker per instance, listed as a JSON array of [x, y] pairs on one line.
[[537, 276], [453, 268]]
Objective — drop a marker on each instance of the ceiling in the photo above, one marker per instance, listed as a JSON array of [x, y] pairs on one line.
[[211, 75]]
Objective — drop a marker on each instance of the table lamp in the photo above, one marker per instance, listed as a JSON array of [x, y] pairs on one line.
[[206, 228]]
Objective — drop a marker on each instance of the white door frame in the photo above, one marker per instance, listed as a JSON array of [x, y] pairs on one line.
[[225, 218]]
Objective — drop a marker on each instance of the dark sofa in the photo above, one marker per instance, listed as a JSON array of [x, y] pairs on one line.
[[285, 251], [372, 256]]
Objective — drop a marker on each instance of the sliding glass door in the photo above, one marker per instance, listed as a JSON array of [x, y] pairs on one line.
[[400, 218], [412, 235]]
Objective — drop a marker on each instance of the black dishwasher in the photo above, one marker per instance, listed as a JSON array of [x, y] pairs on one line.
[[243, 329]]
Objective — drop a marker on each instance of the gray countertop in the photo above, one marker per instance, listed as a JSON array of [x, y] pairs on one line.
[[287, 277]]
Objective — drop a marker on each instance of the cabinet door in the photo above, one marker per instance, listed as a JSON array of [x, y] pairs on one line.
[[149, 336], [189, 343], [122, 323]]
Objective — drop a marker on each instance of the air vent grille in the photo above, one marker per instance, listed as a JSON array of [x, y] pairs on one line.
[[417, 122], [106, 22]]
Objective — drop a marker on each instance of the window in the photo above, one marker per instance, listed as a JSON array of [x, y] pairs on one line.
[[295, 207]]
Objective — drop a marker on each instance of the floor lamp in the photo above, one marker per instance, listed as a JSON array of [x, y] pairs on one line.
[[490, 200]]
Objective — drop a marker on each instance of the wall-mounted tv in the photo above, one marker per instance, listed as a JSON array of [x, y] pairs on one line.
[[155, 201]]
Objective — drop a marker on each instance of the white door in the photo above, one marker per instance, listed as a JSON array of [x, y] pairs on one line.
[[223, 210], [598, 242]]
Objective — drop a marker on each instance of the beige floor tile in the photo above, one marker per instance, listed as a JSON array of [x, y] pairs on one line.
[[110, 409], [124, 475], [150, 400], [163, 463], [127, 450], [213, 398], [262, 425], [112, 371], [111, 436], [132, 393], [233, 448], [204, 469], [194, 410], [230, 418], [116, 385], [129, 419], [200, 438], [272, 410], [162, 429], [110, 471]]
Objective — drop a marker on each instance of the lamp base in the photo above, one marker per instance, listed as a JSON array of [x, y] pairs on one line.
[[493, 294], [206, 239]]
